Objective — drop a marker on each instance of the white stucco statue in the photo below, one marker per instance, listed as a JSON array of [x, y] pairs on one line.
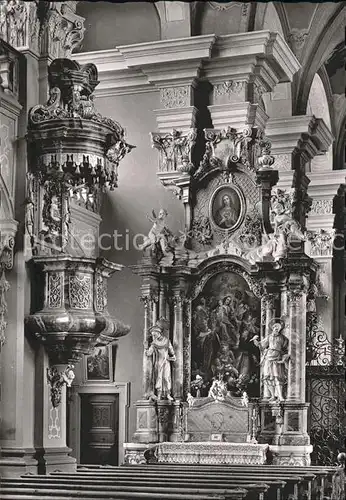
[[274, 360], [159, 234], [161, 354]]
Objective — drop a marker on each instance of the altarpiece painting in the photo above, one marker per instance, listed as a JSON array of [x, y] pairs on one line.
[[225, 318]]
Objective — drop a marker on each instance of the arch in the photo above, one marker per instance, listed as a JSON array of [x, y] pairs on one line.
[[340, 151], [109, 24], [318, 106], [225, 263], [318, 47], [271, 17]]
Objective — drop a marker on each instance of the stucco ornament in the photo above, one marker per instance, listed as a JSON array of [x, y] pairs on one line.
[[57, 379], [285, 229]]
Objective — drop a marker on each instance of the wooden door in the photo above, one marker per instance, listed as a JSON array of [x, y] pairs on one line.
[[99, 429]]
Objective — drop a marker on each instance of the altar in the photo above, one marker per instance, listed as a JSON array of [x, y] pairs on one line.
[[213, 453], [226, 300]]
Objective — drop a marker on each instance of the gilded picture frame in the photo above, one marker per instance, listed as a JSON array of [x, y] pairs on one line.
[[227, 208], [98, 366]]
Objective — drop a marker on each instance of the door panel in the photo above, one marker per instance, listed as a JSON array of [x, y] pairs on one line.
[[99, 428]]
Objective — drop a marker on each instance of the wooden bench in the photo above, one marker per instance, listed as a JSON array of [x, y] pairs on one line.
[[256, 489], [23, 492], [311, 485], [297, 486]]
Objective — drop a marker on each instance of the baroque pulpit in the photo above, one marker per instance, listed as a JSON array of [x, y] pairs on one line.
[[73, 155], [225, 301]]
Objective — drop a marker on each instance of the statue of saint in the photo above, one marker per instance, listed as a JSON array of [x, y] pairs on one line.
[[162, 354], [274, 360], [226, 216]]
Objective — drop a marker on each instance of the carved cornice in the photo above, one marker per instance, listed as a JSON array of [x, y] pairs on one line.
[[267, 51], [145, 67], [305, 135], [238, 115]]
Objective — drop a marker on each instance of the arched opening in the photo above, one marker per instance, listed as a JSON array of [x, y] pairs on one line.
[[111, 24], [318, 106]]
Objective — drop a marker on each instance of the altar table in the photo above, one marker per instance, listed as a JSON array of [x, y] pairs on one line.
[[208, 452]]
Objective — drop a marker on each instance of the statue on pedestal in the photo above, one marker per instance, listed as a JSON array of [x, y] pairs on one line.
[[274, 360], [162, 354], [159, 237]]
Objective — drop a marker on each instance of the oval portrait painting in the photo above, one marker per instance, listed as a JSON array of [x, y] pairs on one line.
[[227, 207]]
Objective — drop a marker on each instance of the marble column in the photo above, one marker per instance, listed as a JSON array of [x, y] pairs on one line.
[[178, 344], [150, 317], [297, 344]]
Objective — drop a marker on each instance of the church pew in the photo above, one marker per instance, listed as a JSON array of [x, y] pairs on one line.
[[322, 473], [256, 489], [297, 486], [76, 486], [21, 492], [307, 474]]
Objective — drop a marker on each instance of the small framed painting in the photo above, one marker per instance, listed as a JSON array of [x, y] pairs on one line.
[[99, 365], [227, 207]]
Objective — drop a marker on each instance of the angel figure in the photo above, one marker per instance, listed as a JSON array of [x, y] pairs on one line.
[[159, 234], [244, 399]]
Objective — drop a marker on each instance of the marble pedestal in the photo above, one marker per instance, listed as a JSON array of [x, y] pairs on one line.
[[284, 427]]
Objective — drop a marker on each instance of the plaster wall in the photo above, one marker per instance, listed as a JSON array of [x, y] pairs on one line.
[[109, 24], [125, 210]]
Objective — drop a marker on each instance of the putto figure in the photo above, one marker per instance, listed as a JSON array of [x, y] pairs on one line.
[[274, 361], [162, 354], [159, 234]]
